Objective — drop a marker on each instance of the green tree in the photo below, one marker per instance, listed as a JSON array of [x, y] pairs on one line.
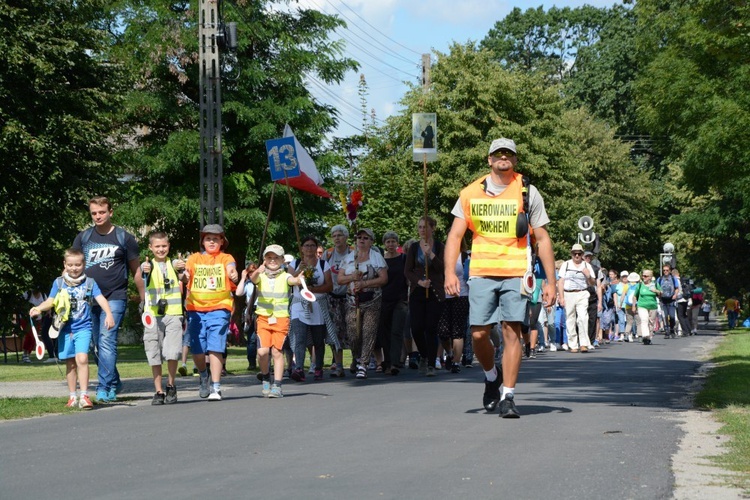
[[693, 95], [590, 50], [57, 93], [548, 42], [571, 157], [263, 87]]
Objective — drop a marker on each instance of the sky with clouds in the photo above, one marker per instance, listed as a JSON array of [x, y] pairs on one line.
[[388, 37]]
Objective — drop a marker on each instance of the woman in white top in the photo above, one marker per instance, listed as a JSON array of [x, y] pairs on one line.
[[365, 272], [308, 325]]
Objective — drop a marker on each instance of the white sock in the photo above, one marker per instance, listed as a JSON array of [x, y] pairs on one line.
[[491, 374], [84, 393], [506, 391], [73, 395]]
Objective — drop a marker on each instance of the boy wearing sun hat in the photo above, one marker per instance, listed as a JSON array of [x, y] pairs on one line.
[[272, 311], [211, 277]]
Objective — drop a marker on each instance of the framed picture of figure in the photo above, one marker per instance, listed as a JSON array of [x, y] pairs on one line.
[[424, 136]]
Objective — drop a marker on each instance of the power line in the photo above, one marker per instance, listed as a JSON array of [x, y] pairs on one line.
[[365, 51], [373, 27], [393, 52]]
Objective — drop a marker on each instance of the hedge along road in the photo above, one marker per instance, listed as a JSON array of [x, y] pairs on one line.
[[602, 423]]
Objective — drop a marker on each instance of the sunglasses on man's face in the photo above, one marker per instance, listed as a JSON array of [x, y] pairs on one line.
[[577, 254], [501, 153]]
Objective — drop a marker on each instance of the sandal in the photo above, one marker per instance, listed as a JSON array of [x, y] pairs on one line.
[[361, 372], [379, 369]]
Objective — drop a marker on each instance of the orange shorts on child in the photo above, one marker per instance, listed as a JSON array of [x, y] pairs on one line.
[[271, 335]]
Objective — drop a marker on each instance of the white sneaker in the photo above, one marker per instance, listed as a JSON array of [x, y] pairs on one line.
[[565, 347], [552, 348], [540, 348], [438, 366], [215, 395], [630, 337]]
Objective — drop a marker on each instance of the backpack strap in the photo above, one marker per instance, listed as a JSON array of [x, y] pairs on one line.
[[89, 289]]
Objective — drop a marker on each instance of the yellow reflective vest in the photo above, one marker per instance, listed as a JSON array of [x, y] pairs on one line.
[[495, 250], [156, 290], [273, 296]]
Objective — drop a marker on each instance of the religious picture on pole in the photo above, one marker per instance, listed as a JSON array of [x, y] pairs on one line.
[[424, 136]]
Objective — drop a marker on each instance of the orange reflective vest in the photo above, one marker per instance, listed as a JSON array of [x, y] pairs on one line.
[[495, 250], [209, 288]]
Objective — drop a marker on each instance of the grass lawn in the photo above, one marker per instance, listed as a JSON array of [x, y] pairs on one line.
[[726, 393], [131, 363]]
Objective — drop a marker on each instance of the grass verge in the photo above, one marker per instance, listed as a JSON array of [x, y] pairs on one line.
[[131, 363], [726, 393], [15, 408]]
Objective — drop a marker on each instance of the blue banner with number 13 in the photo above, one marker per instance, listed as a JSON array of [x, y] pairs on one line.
[[282, 157]]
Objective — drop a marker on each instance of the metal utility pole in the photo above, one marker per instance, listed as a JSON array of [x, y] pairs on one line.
[[211, 170]]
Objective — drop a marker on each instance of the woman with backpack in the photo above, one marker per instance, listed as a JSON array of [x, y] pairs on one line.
[[627, 301]]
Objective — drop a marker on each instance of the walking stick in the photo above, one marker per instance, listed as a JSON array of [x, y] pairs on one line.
[[357, 310], [426, 263]]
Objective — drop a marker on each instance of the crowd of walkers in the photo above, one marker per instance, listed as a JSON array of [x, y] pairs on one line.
[[597, 305], [421, 304]]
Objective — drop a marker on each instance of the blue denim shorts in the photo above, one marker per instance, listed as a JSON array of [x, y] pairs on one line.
[[492, 300], [208, 330], [69, 344]]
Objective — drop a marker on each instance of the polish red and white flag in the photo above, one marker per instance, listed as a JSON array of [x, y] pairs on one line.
[[310, 179]]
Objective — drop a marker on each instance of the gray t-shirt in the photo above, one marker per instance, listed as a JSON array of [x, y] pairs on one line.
[[537, 213]]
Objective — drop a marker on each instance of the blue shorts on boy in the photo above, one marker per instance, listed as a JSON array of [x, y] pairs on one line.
[[208, 330], [69, 344], [75, 336]]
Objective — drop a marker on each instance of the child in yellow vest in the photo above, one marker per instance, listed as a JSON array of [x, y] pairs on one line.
[[163, 338], [272, 311]]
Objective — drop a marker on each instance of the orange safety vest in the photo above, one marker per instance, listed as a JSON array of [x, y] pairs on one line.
[[209, 288], [495, 250]]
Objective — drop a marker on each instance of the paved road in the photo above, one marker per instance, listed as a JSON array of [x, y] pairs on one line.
[[594, 425]]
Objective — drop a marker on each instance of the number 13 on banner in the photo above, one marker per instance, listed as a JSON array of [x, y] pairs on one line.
[[282, 157]]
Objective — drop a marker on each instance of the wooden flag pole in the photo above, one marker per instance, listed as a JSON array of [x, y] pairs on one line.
[[265, 227], [291, 205], [426, 257]]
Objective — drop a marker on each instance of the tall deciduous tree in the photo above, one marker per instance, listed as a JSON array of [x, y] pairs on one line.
[[263, 87], [55, 94], [590, 50], [693, 93]]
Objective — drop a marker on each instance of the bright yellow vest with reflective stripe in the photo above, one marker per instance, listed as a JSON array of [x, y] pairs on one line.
[[156, 290], [273, 296], [495, 250]]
